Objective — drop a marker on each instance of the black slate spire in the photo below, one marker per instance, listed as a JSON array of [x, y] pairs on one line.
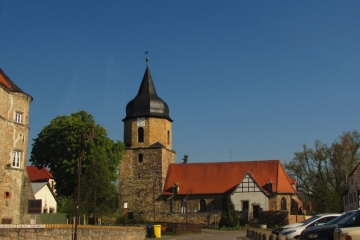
[[147, 103]]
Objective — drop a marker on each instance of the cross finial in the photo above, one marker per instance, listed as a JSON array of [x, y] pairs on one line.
[[147, 58]]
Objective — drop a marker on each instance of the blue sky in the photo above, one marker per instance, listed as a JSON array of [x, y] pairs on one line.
[[244, 80]]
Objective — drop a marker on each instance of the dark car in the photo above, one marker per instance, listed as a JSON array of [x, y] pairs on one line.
[[326, 231]]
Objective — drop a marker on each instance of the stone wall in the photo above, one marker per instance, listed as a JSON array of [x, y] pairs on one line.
[[141, 182], [155, 130], [65, 232], [13, 136]]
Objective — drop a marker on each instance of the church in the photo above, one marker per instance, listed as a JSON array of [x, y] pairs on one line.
[[152, 183]]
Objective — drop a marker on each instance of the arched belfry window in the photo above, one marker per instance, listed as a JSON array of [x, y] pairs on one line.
[[140, 134], [168, 137], [202, 205], [283, 204]]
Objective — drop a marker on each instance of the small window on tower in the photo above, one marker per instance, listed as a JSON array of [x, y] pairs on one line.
[[18, 117], [7, 195], [16, 159], [140, 157], [139, 175]]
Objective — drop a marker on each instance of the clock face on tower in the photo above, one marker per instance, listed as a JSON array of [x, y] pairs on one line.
[[140, 122]]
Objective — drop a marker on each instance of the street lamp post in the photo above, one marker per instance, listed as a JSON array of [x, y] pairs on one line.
[[190, 190], [90, 136]]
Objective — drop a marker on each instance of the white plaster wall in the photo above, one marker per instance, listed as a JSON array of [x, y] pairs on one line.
[[48, 200], [254, 198]]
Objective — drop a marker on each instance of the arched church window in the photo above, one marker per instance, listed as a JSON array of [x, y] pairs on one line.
[[283, 204], [183, 206], [140, 158], [140, 134], [168, 137], [202, 205]]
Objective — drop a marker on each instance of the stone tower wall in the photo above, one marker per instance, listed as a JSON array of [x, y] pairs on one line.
[[155, 130], [141, 182], [13, 136]]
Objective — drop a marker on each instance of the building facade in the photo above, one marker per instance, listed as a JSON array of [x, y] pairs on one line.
[[14, 132], [148, 149], [43, 186], [152, 183], [351, 197]]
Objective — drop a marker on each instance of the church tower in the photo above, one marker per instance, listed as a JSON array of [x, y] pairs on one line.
[[148, 149]]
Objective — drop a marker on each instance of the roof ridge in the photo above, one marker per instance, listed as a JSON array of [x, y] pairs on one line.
[[231, 162]]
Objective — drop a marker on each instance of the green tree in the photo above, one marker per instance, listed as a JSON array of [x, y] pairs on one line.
[[321, 173], [98, 193], [57, 147], [229, 217]]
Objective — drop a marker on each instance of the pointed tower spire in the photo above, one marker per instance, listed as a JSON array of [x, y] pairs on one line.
[[147, 103]]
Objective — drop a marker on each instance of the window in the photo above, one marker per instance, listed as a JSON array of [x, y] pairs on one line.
[[140, 157], [139, 194], [7, 194], [139, 175], [16, 158], [183, 206], [18, 116], [202, 205], [140, 134], [168, 137], [245, 205], [283, 204]]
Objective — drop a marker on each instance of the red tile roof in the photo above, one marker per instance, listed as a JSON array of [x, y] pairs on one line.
[[6, 81], [223, 177], [38, 175]]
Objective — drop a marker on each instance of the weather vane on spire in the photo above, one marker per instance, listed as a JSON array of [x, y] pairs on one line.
[[147, 58]]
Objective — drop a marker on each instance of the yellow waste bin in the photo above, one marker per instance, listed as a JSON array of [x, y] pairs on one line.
[[157, 231]]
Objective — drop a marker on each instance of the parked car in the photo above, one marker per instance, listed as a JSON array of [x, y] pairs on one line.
[[349, 228], [295, 232], [276, 231], [326, 231]]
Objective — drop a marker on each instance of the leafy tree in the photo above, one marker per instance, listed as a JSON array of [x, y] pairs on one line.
[[66, 205], [185, 159], [229, 217], [321, 172], [98, 192], [57, 147]]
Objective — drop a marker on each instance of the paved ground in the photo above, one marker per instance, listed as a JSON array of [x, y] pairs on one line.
[[208, 234]]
